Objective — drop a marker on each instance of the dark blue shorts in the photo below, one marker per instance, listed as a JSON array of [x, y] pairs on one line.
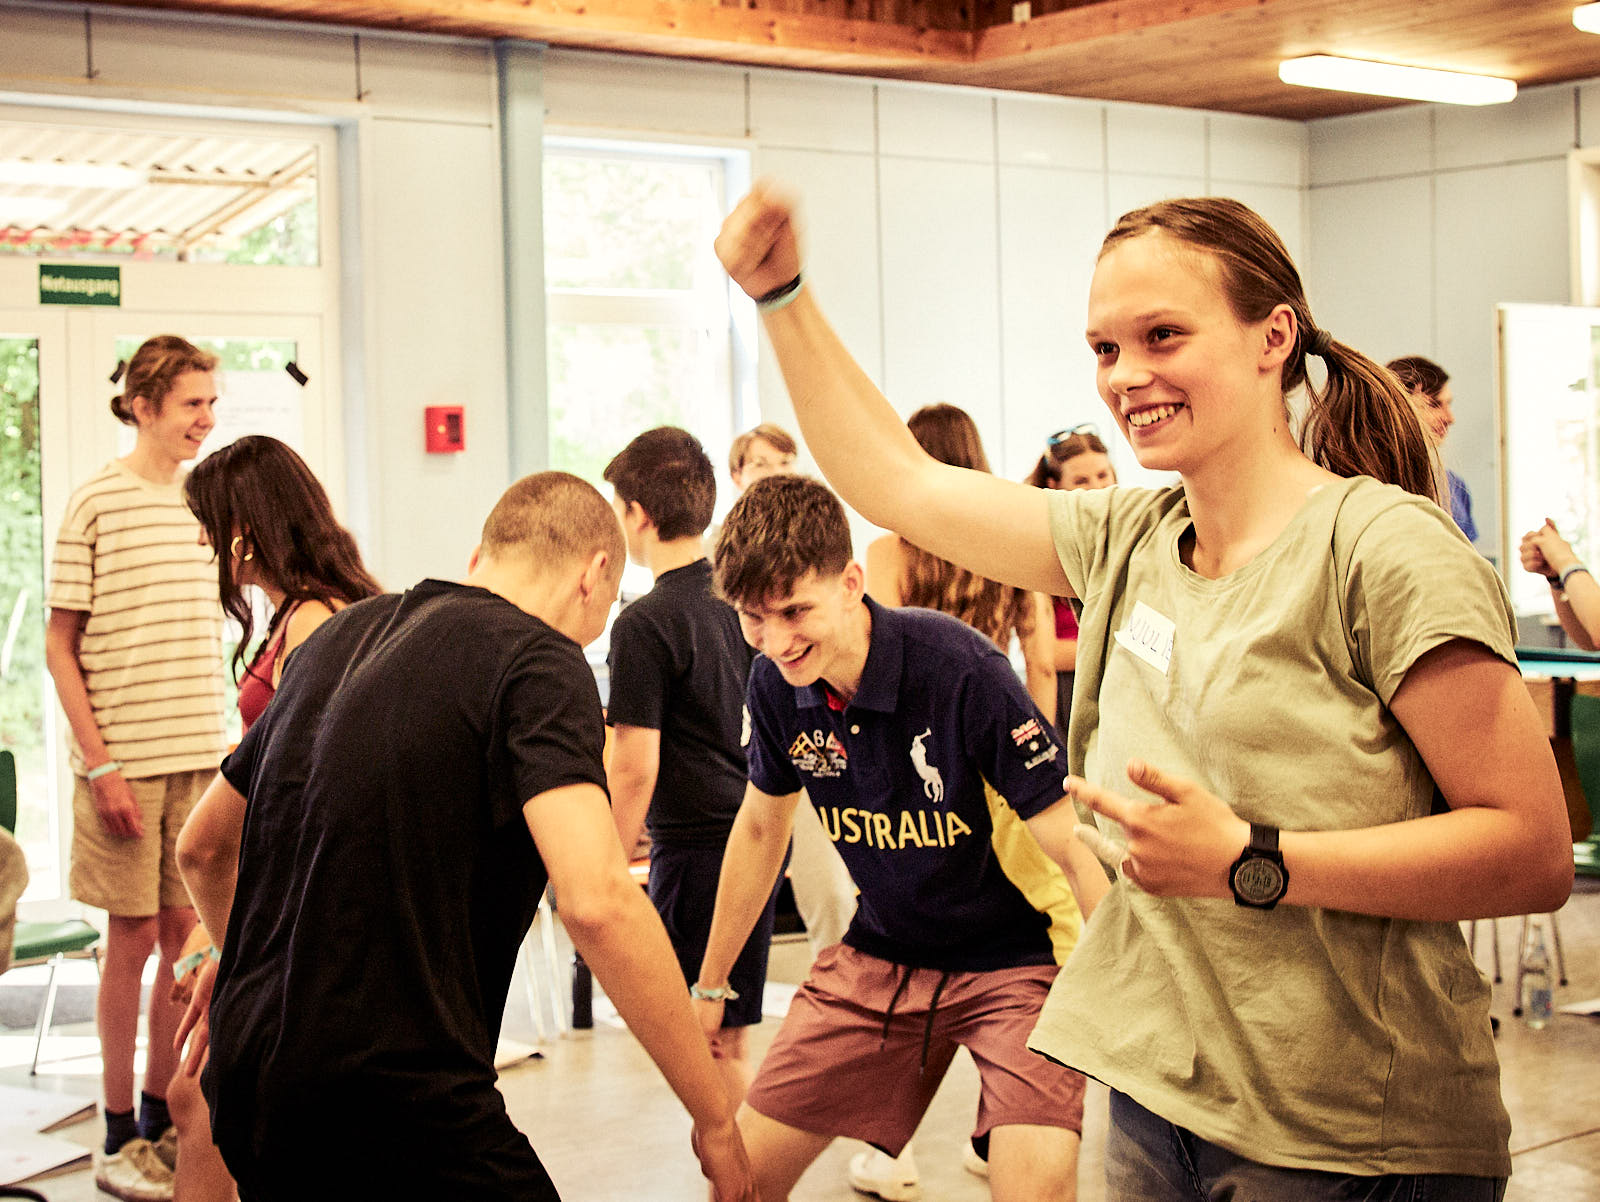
[[683, 888]]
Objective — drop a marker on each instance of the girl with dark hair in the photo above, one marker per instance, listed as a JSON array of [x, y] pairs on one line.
[[269, 520], [271, 525], [1301, 711], [134, 644], [1074, 458], [900, 573]]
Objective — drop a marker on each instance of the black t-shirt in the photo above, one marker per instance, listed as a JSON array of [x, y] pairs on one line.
[[679, 664], [387, 877]]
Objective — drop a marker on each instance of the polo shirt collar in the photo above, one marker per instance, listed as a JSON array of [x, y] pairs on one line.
[[880, 678]]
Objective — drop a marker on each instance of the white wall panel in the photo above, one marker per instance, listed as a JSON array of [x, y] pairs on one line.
[[1146, 140], [1282, 208], [438, 328], [1051, 226], [839, 232], [1257, 150], [1127, 192], [647, 94], [1372, 145], [940, 293], [936, 123], [1369, 271], [435, 80], [813, 112], [222, 58], [1537, 124], [39, 45], [1589, 114], [1047, 131]]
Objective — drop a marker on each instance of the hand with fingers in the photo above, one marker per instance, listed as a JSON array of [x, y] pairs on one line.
[[115, 804], [196, 1020], [1182, 846], [1544, 552], [709, 1014], [724, 1162], [758, 245]]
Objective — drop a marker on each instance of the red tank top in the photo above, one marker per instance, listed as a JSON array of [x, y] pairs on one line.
[[256, 689]]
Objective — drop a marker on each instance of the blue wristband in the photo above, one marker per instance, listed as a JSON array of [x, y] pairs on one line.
[[105, 769], [193, 961]]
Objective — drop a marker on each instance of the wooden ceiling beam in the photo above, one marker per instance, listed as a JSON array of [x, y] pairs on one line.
[[682, 28], [1211, 54]]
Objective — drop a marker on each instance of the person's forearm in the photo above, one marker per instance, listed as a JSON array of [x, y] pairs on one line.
[[1053, 829], [623, 942], [212, 892], [1473, 862], [1578, 608], [841, 411], [208, 854], [1042, 688], [750, 866], [630, 803], [61, 660], [1066, 655]]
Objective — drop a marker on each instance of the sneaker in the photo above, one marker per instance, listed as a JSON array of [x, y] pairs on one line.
[[884, 1176], [167, 1148], [135, 1173], [972, 1162]]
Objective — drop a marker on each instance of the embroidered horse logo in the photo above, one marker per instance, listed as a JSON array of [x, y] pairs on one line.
[[932, 782]]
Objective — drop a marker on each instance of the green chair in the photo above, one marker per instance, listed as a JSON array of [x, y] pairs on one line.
[[1586, 750], [42, 942]]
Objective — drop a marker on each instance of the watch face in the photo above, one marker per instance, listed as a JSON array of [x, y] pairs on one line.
[[1259, 880]]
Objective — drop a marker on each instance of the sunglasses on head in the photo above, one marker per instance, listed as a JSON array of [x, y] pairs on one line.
[[1061, 436]]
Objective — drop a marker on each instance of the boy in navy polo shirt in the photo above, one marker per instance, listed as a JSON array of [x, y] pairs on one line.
[[906, 727]]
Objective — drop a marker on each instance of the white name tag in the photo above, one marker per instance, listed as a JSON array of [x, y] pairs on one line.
[[1149, 635]]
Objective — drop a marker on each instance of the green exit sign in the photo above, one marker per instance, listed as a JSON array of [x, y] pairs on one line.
[[79, 284]]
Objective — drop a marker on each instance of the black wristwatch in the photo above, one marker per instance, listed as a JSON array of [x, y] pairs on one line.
[[1258, 878]]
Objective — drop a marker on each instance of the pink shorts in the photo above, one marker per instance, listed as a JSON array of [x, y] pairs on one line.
[[867, 1042]]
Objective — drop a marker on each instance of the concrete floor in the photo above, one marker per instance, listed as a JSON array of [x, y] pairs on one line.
[[609, 1130]]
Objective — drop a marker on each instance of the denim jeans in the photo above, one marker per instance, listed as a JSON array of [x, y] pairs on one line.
[[1150, 1160]]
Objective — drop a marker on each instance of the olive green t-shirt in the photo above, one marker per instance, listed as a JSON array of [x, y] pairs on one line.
[[1301, 1037]]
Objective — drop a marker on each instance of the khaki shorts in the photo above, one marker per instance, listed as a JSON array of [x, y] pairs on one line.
[[134, 878], [844, 1065]]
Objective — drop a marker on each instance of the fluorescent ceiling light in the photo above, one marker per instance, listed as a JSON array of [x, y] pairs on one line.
[[29, 208], [70, 175], [1587, 17], [1386, 79]]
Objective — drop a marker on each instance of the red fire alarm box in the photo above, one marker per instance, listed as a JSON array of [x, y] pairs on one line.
[[446, 428]]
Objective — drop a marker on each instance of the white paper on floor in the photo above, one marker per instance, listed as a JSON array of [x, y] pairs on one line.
[[24, 1114]]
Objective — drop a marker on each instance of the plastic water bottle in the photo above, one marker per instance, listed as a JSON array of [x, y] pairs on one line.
[[1535, 973]]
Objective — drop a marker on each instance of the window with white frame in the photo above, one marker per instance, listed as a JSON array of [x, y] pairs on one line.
[[642, 331]]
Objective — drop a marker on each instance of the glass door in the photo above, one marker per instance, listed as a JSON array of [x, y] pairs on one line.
[[32, 397]]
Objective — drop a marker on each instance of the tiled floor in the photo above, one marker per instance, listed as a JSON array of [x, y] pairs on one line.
[[610, 1131]]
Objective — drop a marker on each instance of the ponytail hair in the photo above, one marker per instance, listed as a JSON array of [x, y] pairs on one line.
[[157, 363], [1360, 422]]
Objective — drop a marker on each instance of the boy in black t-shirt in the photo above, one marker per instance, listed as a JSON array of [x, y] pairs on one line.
[[678, 671], [375, 850]]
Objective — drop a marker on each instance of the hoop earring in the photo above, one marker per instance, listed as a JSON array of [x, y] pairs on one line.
[[233, 549]]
